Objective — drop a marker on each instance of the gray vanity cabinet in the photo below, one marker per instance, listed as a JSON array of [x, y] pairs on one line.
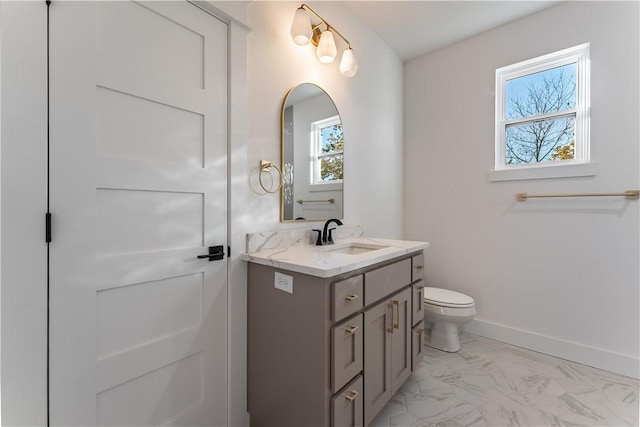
[[347, 352], [417, 308], [400, 339], [417, 267], [377, 324], [328, 352], [388, 351], [417, 346], [347, 406]]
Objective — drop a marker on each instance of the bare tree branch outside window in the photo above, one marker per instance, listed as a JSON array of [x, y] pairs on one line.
[[548, 139]]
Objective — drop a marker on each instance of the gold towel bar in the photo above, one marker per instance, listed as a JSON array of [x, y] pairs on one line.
[[315, 201], [629, 194]]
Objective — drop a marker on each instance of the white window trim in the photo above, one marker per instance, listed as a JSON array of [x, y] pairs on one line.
[[315, 150], [328, 186], [559, 169]]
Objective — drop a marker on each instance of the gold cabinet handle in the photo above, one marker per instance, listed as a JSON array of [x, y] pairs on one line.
[[390, 305], [419, 267], [419, 331], [419, 287], [351, 397], [396, 304], [351, 297], [351, 329]]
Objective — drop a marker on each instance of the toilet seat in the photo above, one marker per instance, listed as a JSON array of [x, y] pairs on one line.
[[447, 298]]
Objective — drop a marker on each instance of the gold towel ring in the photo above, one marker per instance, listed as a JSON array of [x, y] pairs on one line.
[[266, 166]]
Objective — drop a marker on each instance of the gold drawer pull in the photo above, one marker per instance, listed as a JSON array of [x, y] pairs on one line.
[[352, 396], [351, 329], [419, 331], [419, 287], [351, 297], [390, 305], [419, 267]]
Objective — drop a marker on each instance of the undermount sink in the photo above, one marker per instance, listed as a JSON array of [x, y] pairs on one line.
[[355, 248]]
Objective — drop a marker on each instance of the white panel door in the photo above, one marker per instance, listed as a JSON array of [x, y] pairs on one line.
[[138, 182]]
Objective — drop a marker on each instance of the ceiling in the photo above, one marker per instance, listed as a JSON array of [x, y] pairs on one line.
[[414, 28]]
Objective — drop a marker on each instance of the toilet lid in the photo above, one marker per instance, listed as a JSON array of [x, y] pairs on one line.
[[446, 298]]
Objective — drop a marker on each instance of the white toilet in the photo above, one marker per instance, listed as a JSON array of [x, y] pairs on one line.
[[445, 312]]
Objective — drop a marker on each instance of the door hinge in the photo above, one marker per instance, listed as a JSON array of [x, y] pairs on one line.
[[47, 227]]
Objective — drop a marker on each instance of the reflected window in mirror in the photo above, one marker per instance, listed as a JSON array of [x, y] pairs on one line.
[[327, 151], [312, 156]]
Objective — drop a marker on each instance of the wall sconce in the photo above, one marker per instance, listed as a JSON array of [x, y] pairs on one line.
[[321, 36]]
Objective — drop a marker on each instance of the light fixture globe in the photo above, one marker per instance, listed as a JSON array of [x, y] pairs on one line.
[[327, 50], [301, 27], [348, 63], [303, 33]]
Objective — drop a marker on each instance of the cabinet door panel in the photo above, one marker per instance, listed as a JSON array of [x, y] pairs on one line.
[[417, 346], [401, 339], [377, 379], [346, 342], [347, 406], [417, 303]]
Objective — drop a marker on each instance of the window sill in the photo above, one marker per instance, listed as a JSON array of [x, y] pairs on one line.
[[330, 186], [544, 172]]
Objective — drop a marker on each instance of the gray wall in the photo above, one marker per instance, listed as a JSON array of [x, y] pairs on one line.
[[557, 275]]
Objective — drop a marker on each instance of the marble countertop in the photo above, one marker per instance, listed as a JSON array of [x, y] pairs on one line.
[[328, 261]]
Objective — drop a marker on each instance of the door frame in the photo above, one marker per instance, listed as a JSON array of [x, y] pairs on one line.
[[23, 261], [23, 250]]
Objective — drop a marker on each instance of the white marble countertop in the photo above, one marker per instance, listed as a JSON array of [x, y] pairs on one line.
[[327, 261]]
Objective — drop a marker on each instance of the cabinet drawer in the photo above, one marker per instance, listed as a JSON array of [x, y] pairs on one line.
[[417, 303], [385, 280], [417, 270], [417, 346], [347, 409], [346, 351], [347, 297]]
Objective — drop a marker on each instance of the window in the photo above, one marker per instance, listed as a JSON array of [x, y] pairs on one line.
[[327, 147], [542, 111]]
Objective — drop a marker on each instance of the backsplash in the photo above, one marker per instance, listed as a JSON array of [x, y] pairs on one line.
[[257, 242]]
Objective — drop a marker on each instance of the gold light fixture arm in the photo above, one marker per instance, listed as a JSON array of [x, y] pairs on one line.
[[329, 27]]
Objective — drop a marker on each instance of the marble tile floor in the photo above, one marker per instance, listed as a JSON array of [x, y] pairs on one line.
[[490, 383]]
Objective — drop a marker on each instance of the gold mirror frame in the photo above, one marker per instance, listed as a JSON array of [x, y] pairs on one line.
[[309, 201]]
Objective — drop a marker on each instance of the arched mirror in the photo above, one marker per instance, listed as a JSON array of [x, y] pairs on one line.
[[312, 156]]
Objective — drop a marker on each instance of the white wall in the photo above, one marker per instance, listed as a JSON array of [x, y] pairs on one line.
[[370, 105], [373, 125], [556, 275]]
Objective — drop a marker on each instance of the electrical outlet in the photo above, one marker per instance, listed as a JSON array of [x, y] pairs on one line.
[[283, 282]]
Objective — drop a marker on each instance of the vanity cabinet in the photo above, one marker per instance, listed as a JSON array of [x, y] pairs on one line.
[[347, 406], [388, 351], [330, 351], [417, 309]]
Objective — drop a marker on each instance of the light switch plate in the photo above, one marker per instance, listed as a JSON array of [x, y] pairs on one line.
[[283, 282]]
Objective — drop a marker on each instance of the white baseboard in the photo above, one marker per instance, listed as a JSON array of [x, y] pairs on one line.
[[575, 352]]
